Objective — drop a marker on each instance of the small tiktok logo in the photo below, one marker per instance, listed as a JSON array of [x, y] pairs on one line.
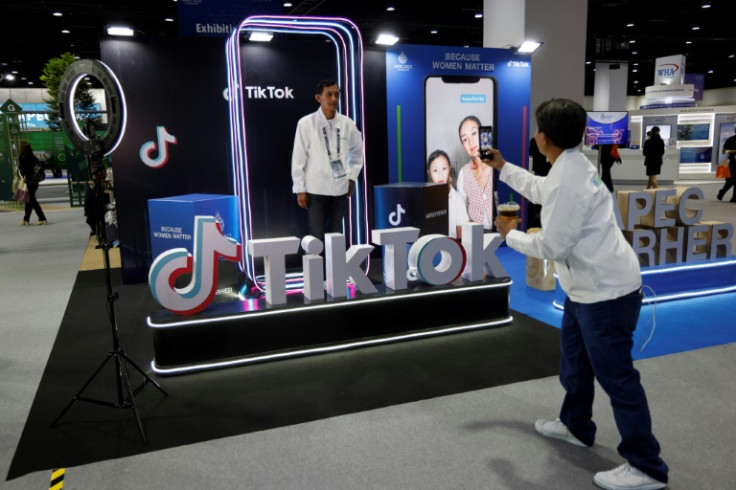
[[209, 245], [163, 139], [395, 217]]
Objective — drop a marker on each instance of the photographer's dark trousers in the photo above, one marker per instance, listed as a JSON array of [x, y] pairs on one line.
[[33, 205], [325, 214], [596, 342]]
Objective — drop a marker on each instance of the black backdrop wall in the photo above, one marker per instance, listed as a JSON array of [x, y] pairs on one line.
[[179, 84]]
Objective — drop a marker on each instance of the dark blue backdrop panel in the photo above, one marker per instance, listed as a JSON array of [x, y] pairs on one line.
[[177, 84]]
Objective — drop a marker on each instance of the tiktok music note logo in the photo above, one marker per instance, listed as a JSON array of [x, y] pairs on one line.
[[209, 245], [163, 139], [395, 217]]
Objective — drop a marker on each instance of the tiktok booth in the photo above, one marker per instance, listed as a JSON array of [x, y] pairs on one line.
[[208, 218]]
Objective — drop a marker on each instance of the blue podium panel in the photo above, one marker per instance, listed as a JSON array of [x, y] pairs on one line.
[[171, 219], [422, 205]]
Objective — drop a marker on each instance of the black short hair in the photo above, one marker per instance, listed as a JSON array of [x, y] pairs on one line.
[[435, 155], [327, 82], [562, 121]]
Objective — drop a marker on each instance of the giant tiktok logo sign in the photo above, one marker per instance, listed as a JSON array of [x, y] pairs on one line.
[[209, 245], [471, 259]]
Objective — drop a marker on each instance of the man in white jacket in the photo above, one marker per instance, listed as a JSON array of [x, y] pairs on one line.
[[600, 274], [326, 161]]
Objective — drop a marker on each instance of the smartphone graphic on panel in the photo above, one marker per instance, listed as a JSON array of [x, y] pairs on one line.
[[447, 101]]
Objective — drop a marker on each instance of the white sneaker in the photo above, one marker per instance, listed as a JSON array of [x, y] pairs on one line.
[[557, 430], [626, 477]]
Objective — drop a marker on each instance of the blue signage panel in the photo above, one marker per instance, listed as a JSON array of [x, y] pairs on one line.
[[431, 89], [171, 219]]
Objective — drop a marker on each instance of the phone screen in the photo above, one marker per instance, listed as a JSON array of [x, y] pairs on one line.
[[447, 101], [486, 140]]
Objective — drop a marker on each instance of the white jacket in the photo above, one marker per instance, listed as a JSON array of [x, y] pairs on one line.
[[310, 162], [580, 233]]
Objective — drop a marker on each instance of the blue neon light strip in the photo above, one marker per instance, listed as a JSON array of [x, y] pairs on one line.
[[351, 59]]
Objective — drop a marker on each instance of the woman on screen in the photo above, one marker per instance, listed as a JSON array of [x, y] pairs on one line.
[[475, 180], [438, 170]]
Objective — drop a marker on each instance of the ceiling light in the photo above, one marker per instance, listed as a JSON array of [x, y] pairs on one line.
[[632, 41], [433, 31], [528, 47], [390, 7], [706, 5], [387, 39], [635, 52], [696, 28], [65, 31], [119, 31], [710, 71], [479, 15], [630, 24], [57, 14], [688, 42], [260, 36], [588, 62], [169, 19], [9, 77], [635, 70], [731, 55], [288, 4]]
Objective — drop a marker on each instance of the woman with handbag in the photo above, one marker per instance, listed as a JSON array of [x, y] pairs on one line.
[[27, 161]]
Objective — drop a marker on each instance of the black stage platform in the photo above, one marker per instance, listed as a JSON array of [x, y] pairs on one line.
[[209, 405]]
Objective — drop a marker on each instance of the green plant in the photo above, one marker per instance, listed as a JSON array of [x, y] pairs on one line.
[[52, 74]]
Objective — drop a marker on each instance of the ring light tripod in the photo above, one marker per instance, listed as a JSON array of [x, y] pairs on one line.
[[95, 149]]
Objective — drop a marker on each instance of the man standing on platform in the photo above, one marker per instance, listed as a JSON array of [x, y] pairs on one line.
[[326, 161], [599, 272]]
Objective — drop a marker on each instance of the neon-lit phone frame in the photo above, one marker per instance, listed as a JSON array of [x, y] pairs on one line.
[[349, 56]]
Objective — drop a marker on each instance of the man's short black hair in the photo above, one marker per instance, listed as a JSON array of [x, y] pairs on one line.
[[327, 82], [562, 121]]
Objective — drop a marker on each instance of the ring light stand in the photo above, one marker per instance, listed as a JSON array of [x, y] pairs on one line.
[[95, 149]]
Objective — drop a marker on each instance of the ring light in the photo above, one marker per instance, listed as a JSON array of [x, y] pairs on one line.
[[116, 109]]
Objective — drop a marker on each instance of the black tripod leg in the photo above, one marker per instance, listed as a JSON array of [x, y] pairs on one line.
[[81, 390], [148, 378], [126, 378]]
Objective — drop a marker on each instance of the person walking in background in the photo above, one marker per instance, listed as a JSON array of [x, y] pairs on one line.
[[609, 156], [599, 272], [326, 161], [729, 149], [653, 152], [27, 161]]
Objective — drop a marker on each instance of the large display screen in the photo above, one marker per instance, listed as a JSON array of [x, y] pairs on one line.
[[447, 101], [696, 154], [693, 132], [606, 128]]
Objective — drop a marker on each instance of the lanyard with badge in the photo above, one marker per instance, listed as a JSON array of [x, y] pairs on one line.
[[338, 169]]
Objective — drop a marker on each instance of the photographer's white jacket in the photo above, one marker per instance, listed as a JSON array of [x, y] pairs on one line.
[[580, 233]]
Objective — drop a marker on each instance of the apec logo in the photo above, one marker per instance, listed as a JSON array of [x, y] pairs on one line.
[[209, 245], [163, 140], [271, 92]]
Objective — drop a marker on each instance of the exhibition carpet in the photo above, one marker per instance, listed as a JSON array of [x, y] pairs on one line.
[[205, 406]]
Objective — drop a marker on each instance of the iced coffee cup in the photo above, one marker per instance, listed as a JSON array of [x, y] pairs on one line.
[[509, 210]]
